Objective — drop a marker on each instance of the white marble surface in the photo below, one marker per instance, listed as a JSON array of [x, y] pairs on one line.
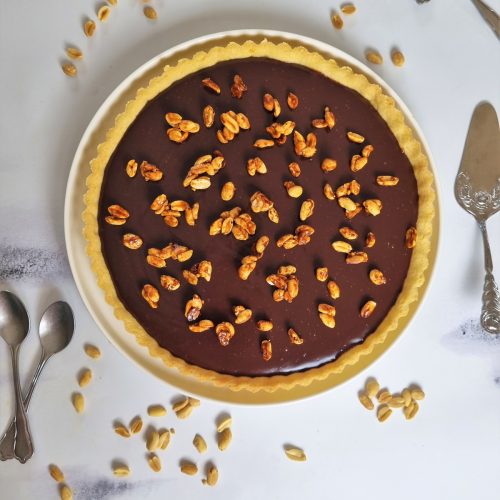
[[452, 448]]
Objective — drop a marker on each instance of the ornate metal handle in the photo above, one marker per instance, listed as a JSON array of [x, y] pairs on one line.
[[490, 312], [23, 446], [8, 441]]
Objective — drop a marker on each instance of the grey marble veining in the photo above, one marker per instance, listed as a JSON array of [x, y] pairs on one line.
[[107, 489], [33, 264], [469, 339]]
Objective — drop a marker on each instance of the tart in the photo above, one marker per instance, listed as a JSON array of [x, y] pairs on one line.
[[259, 216]]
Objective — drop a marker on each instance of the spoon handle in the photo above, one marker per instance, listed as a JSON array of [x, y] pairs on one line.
[[7, 442], [23, 448], [490, 312]]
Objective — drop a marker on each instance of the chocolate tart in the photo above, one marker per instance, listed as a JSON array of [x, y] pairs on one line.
[[149, 153]]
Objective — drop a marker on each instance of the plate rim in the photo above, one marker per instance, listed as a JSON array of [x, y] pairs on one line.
[[114, 97]]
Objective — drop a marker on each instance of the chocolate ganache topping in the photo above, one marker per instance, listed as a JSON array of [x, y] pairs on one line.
[[146, 140]]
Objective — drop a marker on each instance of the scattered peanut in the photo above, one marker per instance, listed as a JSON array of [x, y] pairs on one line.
[[208, 83], [92, 351], [292, 100], [150, 12], [89, 28], [387, 180], [227, 192], [56, 473], [365, 400], [356, 258], [411, 237], [74, 53], [367, 309], [132, 241], [384, 396], [397, 58], [156, 411], [256, 165], [164, 439], [78, 402], [65, 492], [322, 273], [348, 8], [267, 350], [122, 431], [295, 454], [85, 378], [417, 393], [333, 290], [377, 277], [328, 191], [383, 413], [154, 462], [69, 69], [264, 325], [153, 441], [348, 233], [136, 425], [372, 387], [370, 240], [306, 209], [212, 476], [293, 190], [225, 332], [411, 410], [337, 22], [358, 162], [407, 396], [397, 401], [342, 246], [242, 314], [294, 169], [374, 57], [238, 88], [373, 206], [224, 438], [354, 137], [151, 296], [103, 13], [294, 337], [328, 165], [199, 443], [121, 471], [224, 423], [189, 468]]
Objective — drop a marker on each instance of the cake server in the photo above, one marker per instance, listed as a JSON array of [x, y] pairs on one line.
[[489, 15], [477, 189], [55, 332], [14, 326]]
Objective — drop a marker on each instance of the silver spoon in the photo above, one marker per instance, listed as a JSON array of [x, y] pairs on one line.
[[14, 326], [55, 331]]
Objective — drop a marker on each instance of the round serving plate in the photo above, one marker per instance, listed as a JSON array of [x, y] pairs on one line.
[[86, 282]]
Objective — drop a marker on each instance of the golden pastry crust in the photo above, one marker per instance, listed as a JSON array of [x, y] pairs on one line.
[[344, 75]]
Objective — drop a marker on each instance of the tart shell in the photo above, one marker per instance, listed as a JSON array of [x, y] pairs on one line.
[[344, 75]]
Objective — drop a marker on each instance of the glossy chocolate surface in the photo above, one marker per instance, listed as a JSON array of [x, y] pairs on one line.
[[146, 140]]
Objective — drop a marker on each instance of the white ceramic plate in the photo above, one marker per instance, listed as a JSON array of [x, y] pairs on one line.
[[93, 296]]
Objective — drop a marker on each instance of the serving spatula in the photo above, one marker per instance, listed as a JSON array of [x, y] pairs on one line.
[[477, 189]]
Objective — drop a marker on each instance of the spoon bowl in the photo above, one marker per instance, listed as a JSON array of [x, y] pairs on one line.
[[14, 321], [56, 328]]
